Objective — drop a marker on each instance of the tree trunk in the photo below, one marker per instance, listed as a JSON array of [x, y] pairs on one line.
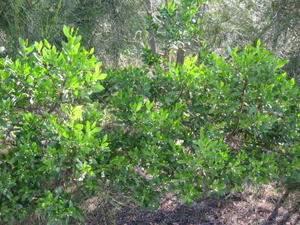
[[152, 44], [167, 54], [180, 56], [152, 41], [199, 59]]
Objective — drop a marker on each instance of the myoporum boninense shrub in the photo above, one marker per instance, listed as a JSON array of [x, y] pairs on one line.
[[50, 141]]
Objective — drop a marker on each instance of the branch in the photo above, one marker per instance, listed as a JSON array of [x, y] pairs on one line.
[[55, 104]]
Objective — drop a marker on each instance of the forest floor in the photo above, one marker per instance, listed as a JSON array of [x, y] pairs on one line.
[[267, 205]]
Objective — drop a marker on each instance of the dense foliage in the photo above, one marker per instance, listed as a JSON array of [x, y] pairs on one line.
[[49, 129], [194, 130]]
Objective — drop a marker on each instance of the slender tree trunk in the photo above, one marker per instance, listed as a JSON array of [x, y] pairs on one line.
[[180, 56], [152, 41], [278, 24], [167, 54], [202, 10], [167, 49], [116, 37], [167, 58], [199, 59]]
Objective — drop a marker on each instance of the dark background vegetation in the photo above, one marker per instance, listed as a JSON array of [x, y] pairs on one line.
[[119, 29]]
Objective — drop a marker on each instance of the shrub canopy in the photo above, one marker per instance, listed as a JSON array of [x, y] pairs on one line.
[[195, 130]]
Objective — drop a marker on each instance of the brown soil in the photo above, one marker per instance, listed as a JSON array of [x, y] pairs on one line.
[[266, 205]]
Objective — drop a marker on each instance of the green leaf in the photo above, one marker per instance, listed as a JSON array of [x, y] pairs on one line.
[[96, 130], [66, 31], [99, 76], [258, 44], [98, 87], [137, 106], [79, 126]]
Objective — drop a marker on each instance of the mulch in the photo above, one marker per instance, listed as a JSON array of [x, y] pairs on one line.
[[255, 206]]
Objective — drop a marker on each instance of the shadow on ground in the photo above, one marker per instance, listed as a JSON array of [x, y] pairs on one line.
[[252, 207], [204, 212]]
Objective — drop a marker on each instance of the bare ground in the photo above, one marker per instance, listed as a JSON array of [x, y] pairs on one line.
[[267, 205]]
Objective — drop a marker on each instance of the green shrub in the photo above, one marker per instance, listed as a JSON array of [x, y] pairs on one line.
[[50, 129], [246, 110], [195, 130]]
